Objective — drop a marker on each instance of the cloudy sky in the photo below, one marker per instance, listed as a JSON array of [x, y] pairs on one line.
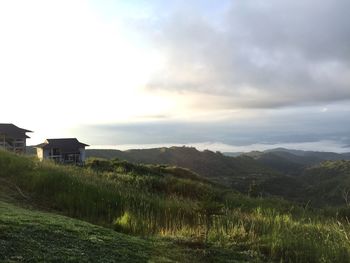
[[228, 75]]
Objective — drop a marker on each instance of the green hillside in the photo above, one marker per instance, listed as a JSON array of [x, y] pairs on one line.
[[289, 174], [238, 172], [327, 182], [166, 214], [27, 235], [291, 162], [321, 185], [285, 162]]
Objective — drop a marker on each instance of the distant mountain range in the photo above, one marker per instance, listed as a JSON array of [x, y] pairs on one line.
[[321, 155], [214, 164], [292, 162]]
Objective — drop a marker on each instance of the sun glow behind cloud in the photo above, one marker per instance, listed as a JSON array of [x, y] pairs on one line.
[[65, 64], [62, 64]]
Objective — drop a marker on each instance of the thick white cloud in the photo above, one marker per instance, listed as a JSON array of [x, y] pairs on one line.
[[259, 53]]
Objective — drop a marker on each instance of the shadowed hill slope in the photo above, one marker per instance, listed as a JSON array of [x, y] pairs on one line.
[[325, 184], [285, 162], [291, 174], [238, 172], [293, 162]]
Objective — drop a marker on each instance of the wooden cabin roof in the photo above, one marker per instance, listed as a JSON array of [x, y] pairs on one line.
[[12, 130], [63, 143]]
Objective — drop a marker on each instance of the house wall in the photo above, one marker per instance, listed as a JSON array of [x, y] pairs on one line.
[[82, 154], [45, 154], [42, 154]]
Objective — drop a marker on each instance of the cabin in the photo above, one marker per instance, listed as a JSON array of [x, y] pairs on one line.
[[13, 138], [66, 150]]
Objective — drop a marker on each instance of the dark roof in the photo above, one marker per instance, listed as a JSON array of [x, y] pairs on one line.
[[65, 144], [12, 130]]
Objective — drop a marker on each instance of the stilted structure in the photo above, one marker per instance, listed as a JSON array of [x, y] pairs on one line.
[[13, 138]]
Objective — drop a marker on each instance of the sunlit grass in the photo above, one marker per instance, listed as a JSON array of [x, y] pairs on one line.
[[146, 201]]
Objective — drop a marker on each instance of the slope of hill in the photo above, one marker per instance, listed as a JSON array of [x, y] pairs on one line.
[[184, 219], [277, 172], [284, 161], [328, 182], [115, 195], [29, 235], [293, 162], [238, 172], [325, 184], [32, 236]]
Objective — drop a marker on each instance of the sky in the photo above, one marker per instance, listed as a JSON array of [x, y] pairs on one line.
[[230, 75]]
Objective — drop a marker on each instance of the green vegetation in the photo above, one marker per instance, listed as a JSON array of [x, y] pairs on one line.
[[326, 184], [238, 172], [168, 209], [298, 176], [284, 162], [33, 236]]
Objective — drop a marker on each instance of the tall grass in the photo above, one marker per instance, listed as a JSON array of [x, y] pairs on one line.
[[144, 200]]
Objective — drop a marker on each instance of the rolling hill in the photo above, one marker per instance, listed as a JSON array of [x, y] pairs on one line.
[[285, 162], [237, 172], [320, 155], [293, 162], [289, 174], [321, 185]]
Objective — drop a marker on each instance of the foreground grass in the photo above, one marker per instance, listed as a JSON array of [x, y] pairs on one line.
[[184, 219], [32, 236]]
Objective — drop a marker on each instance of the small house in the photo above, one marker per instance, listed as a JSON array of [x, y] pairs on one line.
[[13, 138], [67, 150]]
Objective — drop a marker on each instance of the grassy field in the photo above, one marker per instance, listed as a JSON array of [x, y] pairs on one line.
[[36, 236], [27, 235], [170, 214]]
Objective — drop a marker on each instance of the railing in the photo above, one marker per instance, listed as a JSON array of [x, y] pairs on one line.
[[6, 145], [55, 156], [14, 145]]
